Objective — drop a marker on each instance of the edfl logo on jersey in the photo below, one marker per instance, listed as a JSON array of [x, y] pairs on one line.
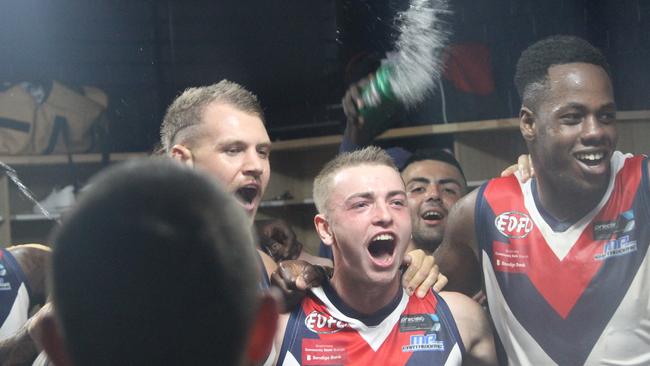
[[322, 323], [514, 224]]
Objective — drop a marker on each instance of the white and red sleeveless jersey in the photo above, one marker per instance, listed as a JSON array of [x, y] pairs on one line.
[[574, 293], [322, 330], [14, 295]]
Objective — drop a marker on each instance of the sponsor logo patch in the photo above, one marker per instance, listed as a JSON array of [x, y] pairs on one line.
[[415, 322], [425, 342], [4, 286], [322, 323], [513, 224], [604, 230], [617, 247], [319, 352]]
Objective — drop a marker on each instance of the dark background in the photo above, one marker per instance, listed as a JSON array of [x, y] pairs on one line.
[[292, 53]]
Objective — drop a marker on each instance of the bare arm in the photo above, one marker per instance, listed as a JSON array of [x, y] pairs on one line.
[[34, 261], [19, 349], [457, 255], [474, 329]]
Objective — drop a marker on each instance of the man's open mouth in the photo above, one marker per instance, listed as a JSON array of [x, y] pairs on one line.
[[382, 248], [591, 158], [432, 215], [247, 194]]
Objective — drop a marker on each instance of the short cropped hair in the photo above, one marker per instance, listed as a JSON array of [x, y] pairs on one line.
[[371, 155], [186, 110], [531, 75], [145, 270], [436, 155]]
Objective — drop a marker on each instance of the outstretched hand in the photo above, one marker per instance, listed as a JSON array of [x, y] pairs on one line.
[[422, 274], [278, 240], [294, 277]]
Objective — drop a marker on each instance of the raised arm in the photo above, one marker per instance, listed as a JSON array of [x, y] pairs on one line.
[[457, 255]]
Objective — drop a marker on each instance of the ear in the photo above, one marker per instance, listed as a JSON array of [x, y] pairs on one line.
[[527, 123], [183, 154], [260, 340], [51, 340], [323, 229]]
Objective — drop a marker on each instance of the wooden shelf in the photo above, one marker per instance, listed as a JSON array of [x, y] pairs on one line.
[[435, 129], [16, 160]]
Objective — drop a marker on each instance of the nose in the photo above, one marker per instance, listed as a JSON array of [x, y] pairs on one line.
[[253, 164], [593, 131], [432, 193], [382, 214]]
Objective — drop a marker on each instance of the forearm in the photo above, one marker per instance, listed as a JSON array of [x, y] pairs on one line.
[[459, 264], [18, 350]]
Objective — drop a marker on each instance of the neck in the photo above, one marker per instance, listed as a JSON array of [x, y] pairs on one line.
[[567, 204], [363, 296]]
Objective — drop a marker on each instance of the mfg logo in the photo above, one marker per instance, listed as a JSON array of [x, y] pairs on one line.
[[323, 323], [514, 224]]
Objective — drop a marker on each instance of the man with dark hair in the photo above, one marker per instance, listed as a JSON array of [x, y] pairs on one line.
[[434, 182], [362, 316], [144, 273], [564, 256]]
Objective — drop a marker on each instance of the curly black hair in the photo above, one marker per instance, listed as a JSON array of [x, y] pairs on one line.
[[534, 62]]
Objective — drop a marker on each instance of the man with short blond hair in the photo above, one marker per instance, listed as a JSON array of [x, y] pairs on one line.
[[362, 315]]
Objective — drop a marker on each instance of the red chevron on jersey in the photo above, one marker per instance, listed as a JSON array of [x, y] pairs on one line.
[[539, 262], [569, 293], [409, 331]]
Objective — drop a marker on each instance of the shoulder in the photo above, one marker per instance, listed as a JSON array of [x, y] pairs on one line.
[[469, 316], [269, 264], [32, 258]]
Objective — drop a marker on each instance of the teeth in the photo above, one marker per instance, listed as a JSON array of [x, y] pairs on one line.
[[590, 156], [383, 237], [432, 215]]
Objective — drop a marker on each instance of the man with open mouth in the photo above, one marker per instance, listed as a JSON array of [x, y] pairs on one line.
[[564, 255], [362, 315]]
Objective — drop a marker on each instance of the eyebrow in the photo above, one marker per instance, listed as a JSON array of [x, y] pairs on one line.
[[368, 195], [241, 142], [580, 106], [440, 181]]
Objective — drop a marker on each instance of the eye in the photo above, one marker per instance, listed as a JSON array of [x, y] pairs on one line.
[[607, 117], [264, 153], [450, 191], [398, 202], [233, 150], [417, 189], [571, 118], [359, 204]]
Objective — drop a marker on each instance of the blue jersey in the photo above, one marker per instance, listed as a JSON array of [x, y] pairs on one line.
[[14, 295], [322, 330], [569, 293]]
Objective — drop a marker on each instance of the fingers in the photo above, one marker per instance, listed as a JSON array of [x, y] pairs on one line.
[[525, 168], [480, 297], [412, 261], [424, 276], [430, 280], [512, 169], [441, 283], [289, 294]]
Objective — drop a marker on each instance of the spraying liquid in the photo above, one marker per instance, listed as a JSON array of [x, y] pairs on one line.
[[409, 74], [11, 173]]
